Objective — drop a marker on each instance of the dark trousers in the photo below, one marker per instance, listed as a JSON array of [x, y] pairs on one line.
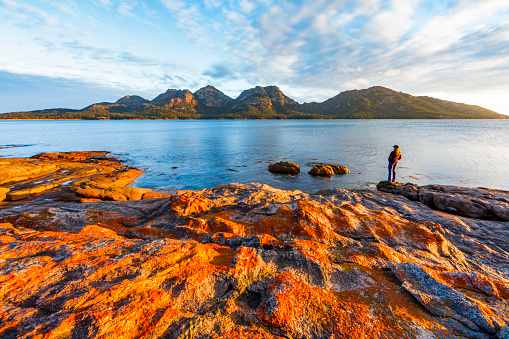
[[392, 171]]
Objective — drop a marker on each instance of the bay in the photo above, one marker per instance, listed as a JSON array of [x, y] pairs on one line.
[[205, 153]]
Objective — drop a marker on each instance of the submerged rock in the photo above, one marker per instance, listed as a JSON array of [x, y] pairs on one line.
[[284, 167], [250, 261]]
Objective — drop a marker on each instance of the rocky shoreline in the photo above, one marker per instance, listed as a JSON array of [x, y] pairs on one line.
[[82, 255]]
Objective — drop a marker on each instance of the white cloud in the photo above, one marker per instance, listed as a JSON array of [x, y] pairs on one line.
[[392, 72], [355, 84], [247, 6], [45, 17], [126, 8], [190, 19], [103, 3], [9, 3], [391, 24], [213, 3]]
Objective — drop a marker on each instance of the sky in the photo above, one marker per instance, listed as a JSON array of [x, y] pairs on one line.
[[69, 53]]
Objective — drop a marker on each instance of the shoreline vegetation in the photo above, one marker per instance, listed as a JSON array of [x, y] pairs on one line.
[[83, 254], [265, 103]]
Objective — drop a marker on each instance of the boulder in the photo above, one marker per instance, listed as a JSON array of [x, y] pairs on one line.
[[284, 167], [327, 170], [322, 170], [338, 169]]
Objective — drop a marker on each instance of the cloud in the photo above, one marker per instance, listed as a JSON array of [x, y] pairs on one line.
[[247, 6], [9, 3], [220, 72], [103, 3], [126, 8], [357, 83], [392, 72], [190, 19], [213, 3], [390, 25]]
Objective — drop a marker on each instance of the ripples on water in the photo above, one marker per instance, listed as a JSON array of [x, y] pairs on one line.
[[209, 153]]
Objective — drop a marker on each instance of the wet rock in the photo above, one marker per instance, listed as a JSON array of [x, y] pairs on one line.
[[338, 169], [322, 170], [327, 170], [470, 202], [284, 167]]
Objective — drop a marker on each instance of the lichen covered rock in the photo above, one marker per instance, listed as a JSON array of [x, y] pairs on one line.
[[78, 176], [250, 261]]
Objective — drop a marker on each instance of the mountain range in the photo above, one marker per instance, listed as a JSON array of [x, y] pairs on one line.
[[268, 103]]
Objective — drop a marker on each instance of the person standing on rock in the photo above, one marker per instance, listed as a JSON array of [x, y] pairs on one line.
[[393, 163]]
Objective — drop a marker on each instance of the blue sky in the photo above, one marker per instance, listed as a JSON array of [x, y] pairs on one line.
[[57, 53]]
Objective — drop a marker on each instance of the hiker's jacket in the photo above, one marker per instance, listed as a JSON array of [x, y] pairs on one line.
[[393, 157]]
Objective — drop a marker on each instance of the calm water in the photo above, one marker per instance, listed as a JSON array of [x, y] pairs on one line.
[[208, 153]]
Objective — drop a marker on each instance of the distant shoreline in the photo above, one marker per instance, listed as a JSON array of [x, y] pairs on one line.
[[212, 119]]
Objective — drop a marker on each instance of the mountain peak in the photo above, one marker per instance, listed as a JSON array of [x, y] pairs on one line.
[[263, 98], [131, 101], [212, 97]]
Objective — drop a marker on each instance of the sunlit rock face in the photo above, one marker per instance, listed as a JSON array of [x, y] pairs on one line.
[[71, 176], [328, 170], [263, 98], [176, 99], [250, 261], [285, 167], [212, 97]]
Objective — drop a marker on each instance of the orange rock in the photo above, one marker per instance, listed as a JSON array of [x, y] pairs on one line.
[[327, 170], [154, 195], [3, 192], [338, 169], [248, 261], [284, 167], [27, 178], [322, 170], [69, 156]]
